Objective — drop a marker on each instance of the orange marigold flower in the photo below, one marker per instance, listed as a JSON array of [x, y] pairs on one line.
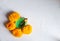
[[27, 29], [10, 26], [13, 16], [17, 32]]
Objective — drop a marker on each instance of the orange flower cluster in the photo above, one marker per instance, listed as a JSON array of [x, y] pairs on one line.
[[11, 25]]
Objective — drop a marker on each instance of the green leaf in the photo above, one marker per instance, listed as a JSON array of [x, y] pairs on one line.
[[19, 22]]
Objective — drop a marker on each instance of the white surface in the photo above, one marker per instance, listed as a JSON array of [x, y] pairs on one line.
[[44, 16]]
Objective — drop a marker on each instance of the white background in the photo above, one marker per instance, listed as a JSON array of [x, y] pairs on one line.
[[43, 15]]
